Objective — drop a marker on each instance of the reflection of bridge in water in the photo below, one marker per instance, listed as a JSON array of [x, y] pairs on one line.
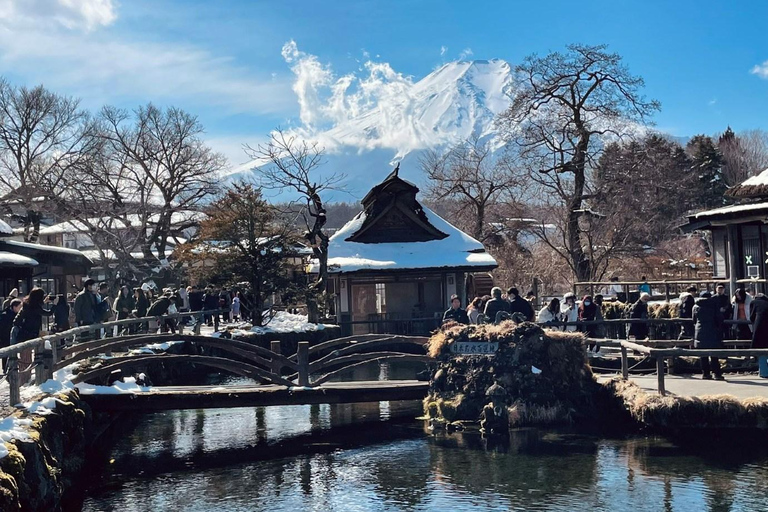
[[305, 377]]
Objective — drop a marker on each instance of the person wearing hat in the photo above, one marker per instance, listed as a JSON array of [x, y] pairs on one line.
[[639, 311], [708, 332], [455, 313]]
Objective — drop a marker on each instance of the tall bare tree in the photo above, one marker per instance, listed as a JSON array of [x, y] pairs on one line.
[[566, 103], [481, 186], [160, 155], [293, 166], [744, 154], [42, 137]]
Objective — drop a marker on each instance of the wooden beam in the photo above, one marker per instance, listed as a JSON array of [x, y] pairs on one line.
[[624, 363], [660, 374], [205, 397]]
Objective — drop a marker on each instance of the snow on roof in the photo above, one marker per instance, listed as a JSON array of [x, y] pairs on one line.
[[5, 229], [78, 226], [16, 260], [726, 210], [456, 250], [757, 180], [50, 248]]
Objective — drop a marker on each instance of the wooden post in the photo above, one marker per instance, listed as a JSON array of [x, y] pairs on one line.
[[302, 358], [667, 291], [180, 325], [274, 346], [13, 379], [39, 365], [660, 373], [216, 322], [196, 329], [624, 363], [48, 362]]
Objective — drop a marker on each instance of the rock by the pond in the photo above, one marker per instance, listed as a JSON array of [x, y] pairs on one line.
[[559, 390]]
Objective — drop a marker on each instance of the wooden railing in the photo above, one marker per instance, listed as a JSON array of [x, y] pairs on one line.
[[660, 355], [47, 348], [309, 366]]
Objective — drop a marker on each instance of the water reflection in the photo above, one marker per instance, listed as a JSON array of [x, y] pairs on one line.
[[374, 457]]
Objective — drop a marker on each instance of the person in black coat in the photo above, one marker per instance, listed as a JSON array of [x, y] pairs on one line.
[[687, 301], [724, 305], [496, 305], [29, 321], [708, 332], [61, 314], [639, 311], [518, 304], [588, 313], [759, 318], [455, 313], [210, 303], [6, 324]]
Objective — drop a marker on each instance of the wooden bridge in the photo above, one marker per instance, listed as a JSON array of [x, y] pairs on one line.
[[304, 377]]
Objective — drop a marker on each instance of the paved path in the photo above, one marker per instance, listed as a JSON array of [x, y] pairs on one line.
[[740, 386]]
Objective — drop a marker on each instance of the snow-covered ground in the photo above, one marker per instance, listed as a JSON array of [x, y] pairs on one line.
[[281, 322]]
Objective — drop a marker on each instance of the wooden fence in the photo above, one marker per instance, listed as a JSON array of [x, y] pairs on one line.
[[47, 348]]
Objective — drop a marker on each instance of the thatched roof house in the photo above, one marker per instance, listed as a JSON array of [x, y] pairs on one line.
[[398, 261]]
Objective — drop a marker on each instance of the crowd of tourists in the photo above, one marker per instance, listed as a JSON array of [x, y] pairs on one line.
[[24, 318]]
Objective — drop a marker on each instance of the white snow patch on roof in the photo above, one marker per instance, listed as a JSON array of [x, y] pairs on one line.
[[757, 180], [13, 259], [458, 249], [5, 229], [739, 208], [50, 248]]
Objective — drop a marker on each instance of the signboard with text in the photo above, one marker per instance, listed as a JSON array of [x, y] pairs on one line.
[[474, 348]]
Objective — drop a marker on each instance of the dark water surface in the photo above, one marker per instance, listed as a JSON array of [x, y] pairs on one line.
[[375, 457]]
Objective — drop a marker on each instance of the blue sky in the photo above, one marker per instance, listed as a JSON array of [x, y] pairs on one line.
[[222, 60]]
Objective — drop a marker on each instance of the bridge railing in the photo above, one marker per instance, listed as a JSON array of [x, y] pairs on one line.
[[48, 349], [660, 355]]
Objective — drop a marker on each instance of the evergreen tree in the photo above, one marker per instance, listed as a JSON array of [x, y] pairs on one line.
[[707, 164]]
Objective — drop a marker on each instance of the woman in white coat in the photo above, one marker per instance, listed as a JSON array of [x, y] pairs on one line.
[[569, 311], [550, 314]]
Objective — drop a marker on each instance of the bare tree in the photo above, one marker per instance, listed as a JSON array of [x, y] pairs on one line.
[[566, 104], [169, 170], [42, 137], [293, 166], [744, 154], [481, 185]]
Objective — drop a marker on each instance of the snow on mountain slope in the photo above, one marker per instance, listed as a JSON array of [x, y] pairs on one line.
[[366, 124], [458, 100]]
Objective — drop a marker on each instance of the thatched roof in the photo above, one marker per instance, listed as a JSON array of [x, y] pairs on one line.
[[754, 187]]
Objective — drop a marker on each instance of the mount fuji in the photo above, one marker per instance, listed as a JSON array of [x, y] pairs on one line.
[[367, 125]]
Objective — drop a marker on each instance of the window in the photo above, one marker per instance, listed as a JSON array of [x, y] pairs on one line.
[[381, 298]]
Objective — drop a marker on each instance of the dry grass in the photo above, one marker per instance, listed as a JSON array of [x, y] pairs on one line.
[[710, 411]]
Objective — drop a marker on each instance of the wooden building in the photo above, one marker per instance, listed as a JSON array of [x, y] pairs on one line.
[[395, 265], [739, 235], [25, 265]]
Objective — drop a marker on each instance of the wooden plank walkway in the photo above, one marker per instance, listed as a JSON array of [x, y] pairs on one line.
[[215, 397], [739, 386]]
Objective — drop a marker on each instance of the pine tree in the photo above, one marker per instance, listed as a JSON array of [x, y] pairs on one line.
[[707, 164]]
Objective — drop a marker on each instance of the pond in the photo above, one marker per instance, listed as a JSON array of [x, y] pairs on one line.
[[377, 457]]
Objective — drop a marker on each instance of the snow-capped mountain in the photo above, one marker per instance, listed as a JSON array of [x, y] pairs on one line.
[[366, 125]]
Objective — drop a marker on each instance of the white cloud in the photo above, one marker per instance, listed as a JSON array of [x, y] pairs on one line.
[[712, 102], [443, 49], [466, 52], [55, 42], [311, 76], [71, 14], [761, 70]]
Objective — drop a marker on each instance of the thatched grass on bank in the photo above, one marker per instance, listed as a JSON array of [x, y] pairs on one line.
[[682, 412], [544, 373]]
